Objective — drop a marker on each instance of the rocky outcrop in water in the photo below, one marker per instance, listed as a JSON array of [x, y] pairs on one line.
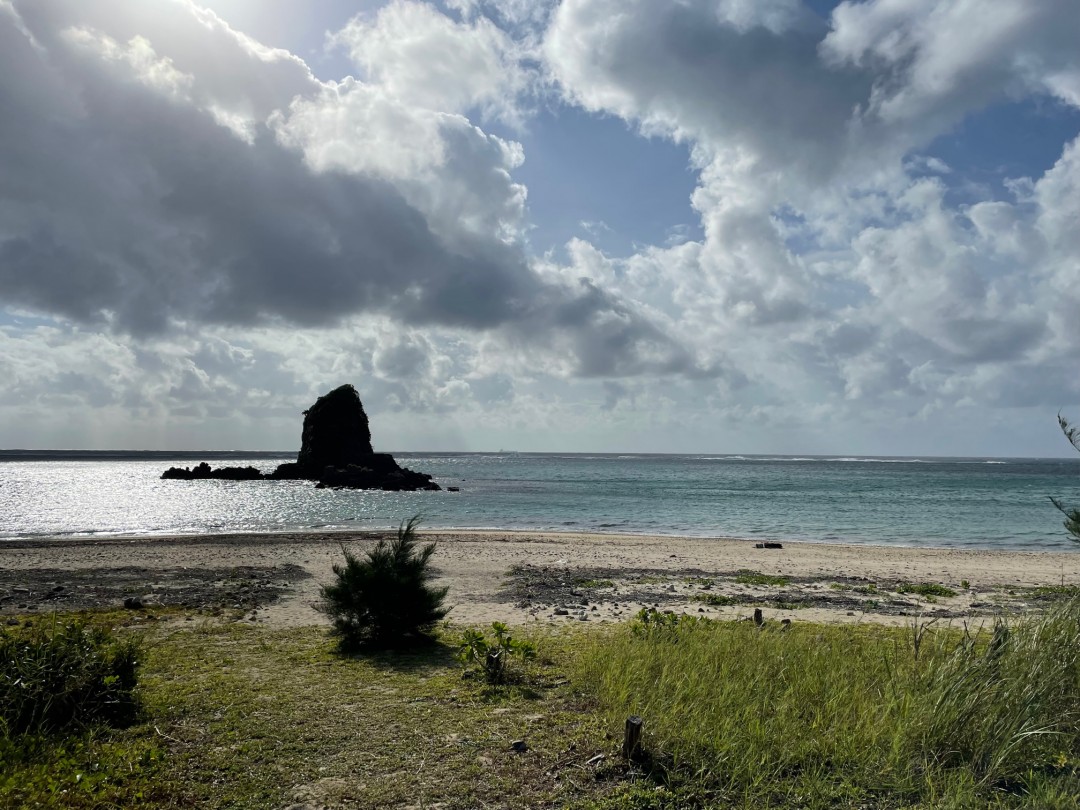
[[335, 451], [204, 471]]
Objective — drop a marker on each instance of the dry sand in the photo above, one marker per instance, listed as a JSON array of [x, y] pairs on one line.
[[557, 578], [529, 577]]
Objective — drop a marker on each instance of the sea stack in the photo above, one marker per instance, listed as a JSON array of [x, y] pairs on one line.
[[336, 432], [335, 450]]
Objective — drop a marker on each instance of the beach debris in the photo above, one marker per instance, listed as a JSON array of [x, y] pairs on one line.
[[768, 544]]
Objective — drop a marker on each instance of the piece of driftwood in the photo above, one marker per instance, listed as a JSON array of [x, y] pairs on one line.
[[632, 738]]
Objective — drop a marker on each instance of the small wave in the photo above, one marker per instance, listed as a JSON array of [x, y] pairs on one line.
[[858, 460]]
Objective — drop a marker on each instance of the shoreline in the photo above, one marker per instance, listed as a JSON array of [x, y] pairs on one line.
[[287, 535], [548, 578]]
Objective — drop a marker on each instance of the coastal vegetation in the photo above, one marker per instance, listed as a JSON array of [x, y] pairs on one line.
[[385, 598], [1072, 513], [799, 716]]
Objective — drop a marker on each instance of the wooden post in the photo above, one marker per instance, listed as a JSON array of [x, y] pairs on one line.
[[632, 738], [759, 619]]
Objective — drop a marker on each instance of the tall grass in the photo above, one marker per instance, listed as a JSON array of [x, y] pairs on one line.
[[848, 712]]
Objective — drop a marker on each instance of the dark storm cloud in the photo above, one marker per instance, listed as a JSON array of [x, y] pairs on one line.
[[125, 200]]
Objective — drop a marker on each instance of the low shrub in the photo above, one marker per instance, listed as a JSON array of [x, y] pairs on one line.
[[65, 677], [714, 599], [385, 598], [925, 589], [491, 654]]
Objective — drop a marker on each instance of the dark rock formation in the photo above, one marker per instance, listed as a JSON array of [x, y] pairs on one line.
[[336, 432], [335, 450], [204, 471], [383, 473]]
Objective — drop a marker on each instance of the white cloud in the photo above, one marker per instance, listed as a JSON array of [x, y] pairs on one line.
[[424, 59], [213, 235]]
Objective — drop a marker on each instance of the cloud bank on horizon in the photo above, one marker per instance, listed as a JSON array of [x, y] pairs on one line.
[[199, 231]]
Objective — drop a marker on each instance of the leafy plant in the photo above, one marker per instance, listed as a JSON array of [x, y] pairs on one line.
[[385, 598], [65, 677], [713, 599], [491, 654]]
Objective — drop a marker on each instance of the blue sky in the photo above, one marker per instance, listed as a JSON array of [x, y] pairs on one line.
[[717, 225]]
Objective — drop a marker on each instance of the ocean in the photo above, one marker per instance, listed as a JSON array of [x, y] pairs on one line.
[[984, 503]]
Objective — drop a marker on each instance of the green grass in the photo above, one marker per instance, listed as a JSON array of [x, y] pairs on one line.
[[648, 579], [927, 589], [845, 716], [714, 599], [240, 716], [785, 605], [1055, 591], [747, 577], [840, 717]]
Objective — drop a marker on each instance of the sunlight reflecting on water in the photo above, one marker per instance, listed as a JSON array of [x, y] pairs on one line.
[[960, 502]]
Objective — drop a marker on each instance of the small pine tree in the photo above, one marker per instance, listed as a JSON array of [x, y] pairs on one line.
[[385, 599], [1072, 514]]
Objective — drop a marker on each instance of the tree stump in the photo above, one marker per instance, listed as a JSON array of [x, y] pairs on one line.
[[632, 738]]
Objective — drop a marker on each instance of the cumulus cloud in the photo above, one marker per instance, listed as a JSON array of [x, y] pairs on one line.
[[148, 185], [425, 59], [177, 198], [831, 259]]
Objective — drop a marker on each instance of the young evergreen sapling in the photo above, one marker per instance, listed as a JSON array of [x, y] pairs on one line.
[[385, 599]]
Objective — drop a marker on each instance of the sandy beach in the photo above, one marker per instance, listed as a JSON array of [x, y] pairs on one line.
[[528, 577]]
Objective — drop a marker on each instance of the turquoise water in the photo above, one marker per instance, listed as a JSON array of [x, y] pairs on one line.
[[970, 503]]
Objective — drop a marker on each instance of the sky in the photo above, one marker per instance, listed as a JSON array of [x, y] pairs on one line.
[[714, 226]]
